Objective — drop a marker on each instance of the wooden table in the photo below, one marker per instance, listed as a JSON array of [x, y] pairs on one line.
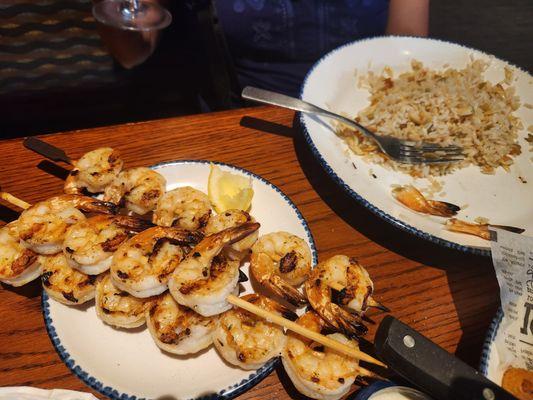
[[448, 296]]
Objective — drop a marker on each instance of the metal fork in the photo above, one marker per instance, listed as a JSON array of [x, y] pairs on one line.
[[403, 151]]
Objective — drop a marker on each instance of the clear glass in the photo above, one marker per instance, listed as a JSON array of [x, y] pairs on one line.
[[133, 15]]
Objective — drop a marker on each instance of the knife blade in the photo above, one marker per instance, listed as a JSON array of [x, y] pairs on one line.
[[47, 150], [430, 367]]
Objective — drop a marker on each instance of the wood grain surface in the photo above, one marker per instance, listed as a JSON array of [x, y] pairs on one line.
[[446, 295]]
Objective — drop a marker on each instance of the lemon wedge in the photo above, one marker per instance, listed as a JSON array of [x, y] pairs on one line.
[[229, 191]]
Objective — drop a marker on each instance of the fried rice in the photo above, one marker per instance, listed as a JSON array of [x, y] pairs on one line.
[[448, 107]]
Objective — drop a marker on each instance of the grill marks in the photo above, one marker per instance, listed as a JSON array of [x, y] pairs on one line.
[[112, 244], [217, 268], [288, 262]]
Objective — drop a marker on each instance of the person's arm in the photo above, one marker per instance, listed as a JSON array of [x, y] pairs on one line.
[[129, 48], [408, 17]]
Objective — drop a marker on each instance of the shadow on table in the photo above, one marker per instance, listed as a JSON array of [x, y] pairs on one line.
[[53, 169], [473, 318], [8, 214], [30, 290], [287, 384]]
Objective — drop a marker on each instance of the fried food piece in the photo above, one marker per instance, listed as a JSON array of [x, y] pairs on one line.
[[518, 382]]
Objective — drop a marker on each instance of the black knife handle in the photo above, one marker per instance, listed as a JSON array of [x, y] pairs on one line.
[[430, 367], [45, 149]]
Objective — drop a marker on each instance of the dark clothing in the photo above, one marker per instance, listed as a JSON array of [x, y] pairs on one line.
[[274, 43]]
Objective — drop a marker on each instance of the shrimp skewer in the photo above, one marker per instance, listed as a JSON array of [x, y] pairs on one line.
[[281, 261], [140, 189], [42, 227], [356, 293], [480, 230], [184, 207], [89, 244], [247, 341], [318, 372], [64, 283], [303, 331], [18, 265], [178, 329], [410, 197], [229, 219], [94, 171], [203, 281], [142, 265], [118, 308]]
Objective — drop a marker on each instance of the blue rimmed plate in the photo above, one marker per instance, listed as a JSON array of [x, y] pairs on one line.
[[504, 198], [489, 363], [126, 364]]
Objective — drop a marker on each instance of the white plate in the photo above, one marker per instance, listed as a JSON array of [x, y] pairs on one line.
[[126, 364], [331, 84]]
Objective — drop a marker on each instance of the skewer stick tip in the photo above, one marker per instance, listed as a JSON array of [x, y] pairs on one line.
[[14, 200]]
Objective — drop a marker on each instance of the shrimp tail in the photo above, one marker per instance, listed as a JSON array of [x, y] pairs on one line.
[[376, 304], [285, 311], [286, 291], [349, 324], [182, 237], [443, 208], [232, 235], [97, 206], [132, 223]]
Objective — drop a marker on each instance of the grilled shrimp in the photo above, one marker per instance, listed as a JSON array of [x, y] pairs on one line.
[[229, 219], [316, 371], [178, 329], [18, 265], [64, 283], [281, 262], [410, 197], [185, 207], [94, 171], [119, 308], [356, 295], [248, 341], [142, 265], [480, 230], [203, 280], [139, 187], [42, 227], [89, 244]]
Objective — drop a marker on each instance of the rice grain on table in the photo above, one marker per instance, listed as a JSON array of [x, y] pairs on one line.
[[447, 107]]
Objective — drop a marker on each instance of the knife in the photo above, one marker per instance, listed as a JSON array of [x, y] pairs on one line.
[[431, 368], [47, 150]]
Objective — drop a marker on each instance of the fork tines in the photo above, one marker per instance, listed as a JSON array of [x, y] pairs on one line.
[[430, 153]]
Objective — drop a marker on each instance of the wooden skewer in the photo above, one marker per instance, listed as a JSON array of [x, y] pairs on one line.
[[14, 200], [317, 337], [365, 372], [371, 302]]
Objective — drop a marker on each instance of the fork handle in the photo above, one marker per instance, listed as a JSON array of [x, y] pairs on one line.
[[281, 100]]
